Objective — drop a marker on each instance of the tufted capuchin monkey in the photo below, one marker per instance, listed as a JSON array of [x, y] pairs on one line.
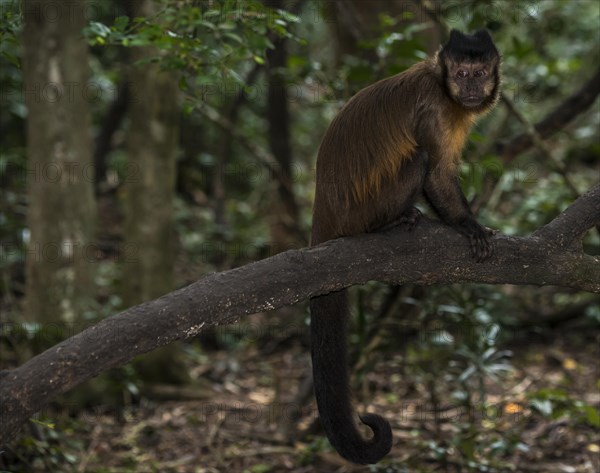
[[393, 141]]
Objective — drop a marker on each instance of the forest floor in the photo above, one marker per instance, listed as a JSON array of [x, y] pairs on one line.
[[235, 418]]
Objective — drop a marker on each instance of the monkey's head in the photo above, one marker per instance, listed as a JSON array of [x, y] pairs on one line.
[[470, 69]]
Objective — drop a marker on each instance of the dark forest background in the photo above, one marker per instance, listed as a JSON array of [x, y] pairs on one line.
[[144, 144]]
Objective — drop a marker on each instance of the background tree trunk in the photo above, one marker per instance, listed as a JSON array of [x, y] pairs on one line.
[[284, 211], [150, 192], [61, 211], [150, 183]]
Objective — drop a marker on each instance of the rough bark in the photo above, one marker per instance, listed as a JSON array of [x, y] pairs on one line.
[[431, 254], [61, 208]]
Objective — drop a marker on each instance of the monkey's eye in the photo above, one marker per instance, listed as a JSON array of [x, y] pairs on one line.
[[461, 73], [479, 73]]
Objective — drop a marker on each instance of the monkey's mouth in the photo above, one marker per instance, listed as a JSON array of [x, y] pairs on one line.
[[471, 100]]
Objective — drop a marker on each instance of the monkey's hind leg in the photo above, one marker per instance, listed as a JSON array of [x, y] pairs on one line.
[[407, 220], [403, 193]]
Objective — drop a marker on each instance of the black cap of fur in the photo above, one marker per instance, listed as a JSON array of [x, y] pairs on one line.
[[477, 47]]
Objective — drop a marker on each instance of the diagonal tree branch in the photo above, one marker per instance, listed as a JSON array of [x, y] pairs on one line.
[[562, 115], [577, 103], [431, 254], [569, 227]]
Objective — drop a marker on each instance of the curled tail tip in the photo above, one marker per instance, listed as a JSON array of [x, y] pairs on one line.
[[382, 431], [373, 450]]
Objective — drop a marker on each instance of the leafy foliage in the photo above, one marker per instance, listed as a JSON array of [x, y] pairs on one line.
[[204, 39]]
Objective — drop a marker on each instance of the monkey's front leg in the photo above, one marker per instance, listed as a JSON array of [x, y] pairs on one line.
[[442, 190]]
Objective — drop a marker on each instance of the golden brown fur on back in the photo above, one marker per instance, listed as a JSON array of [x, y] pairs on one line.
[[367, 145]]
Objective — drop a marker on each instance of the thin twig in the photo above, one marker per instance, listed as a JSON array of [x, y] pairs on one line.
[[541, 144]]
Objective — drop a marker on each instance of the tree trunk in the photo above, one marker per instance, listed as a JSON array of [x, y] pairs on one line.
[[61, 211], [150, 192], [284, 211], [150, 183]]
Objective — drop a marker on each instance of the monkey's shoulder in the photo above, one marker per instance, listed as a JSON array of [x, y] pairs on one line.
[[403, 93]]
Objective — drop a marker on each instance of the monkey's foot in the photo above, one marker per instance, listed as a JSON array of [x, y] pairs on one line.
[[408, 220]]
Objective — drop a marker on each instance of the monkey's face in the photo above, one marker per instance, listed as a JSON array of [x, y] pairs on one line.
[[472, 84], [470, 67]]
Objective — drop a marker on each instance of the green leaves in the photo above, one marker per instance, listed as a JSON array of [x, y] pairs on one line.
[[214, 40], [557, 403], [10, 28], [97, 33]]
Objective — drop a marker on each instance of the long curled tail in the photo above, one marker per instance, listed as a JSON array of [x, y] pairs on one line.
[[329, 320]]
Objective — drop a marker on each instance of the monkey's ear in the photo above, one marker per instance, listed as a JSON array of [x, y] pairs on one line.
[[483, 35], [469, 48], [455, 42], [455, 36]]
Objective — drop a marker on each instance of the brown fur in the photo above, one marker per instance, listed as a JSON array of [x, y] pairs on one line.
[[394, 140], [366, 149]]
